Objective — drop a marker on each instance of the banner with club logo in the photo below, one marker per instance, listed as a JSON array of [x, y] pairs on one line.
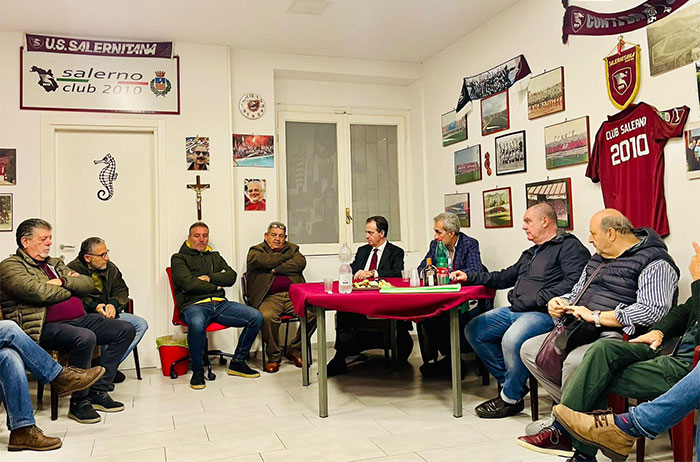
[[68, 74], [622, 76]]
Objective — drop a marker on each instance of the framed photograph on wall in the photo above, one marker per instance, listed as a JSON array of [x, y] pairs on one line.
[[6, 212], [692, 149], [253, 151], [197, 152], [567, 143], [458, 204], [468, 164], [511, 151], [545, 93], [8, 166], [254, 190], [556, 193], [494, 113], [454, 130], [498, 209]]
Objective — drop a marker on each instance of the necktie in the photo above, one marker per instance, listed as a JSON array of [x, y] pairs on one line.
[[373, 262]]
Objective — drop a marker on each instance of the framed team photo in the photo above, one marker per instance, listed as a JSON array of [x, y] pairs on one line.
[[692, 149], [8, 166], [454, 130], [498, 211], [458, 204], [494, 113], [567, 143], [468, 164], [511, 153], [6, 212], [545, 93], [556, 193]]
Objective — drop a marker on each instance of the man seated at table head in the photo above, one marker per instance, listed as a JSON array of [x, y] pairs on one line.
[[379, 258], [273, 266], [434, 333], [200, 275], [42, 295], [549, 267], [110, 296]]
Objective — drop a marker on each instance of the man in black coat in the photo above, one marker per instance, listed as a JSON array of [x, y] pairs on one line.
[[355, 333]]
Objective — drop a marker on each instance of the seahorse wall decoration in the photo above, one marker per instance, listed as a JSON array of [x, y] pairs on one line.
[[107, 177]]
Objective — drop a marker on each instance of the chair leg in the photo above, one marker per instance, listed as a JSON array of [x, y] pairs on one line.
[[483, 372], [534, 399], [39, 392], [682, 438], [137, 363], [640, 449], [286, 337], [210, 375], [54, 404]]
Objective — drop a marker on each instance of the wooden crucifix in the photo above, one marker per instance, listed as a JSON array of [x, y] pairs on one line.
[[198, 188]]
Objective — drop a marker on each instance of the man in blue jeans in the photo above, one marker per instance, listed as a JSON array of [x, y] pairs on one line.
[[615, 434], [17, 353], [199, 277], [550, 267]]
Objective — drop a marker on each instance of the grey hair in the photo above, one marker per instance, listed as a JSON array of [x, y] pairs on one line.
[[619, 223], [27, 228], [88, 245], [277, 224], [450, 221]]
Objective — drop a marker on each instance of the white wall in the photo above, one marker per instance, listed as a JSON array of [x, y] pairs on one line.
[[533, 28]]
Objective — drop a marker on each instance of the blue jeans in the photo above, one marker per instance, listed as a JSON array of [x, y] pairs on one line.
[[141, 327], [227, 313], [496, 337], [17, 352], [654, 417]]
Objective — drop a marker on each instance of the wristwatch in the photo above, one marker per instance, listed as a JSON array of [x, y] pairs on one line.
[[596, 318]]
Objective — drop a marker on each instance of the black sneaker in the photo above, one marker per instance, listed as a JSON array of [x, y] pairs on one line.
[[119, 377], [496, 408], [101, 401], [197, 381], [241, 369], [83, 412], [336, 366]]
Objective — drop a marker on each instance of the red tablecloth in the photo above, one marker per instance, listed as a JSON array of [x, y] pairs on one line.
[[371, 303]]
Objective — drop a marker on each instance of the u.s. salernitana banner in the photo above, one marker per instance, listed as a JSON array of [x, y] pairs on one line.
[[93, 75]]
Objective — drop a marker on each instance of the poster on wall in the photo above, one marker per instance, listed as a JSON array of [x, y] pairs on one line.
[[6, 212], [674, 41], [458, 204], [567, 143], [253, 150], [494, 113], [454, 130], [556, 193], [545, 93], [692, 149], [72, 74], [197, 152], [8, 166], [468, 164], [498, 212], [254, 190]]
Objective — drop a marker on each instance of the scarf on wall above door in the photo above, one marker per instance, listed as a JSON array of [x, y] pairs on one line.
[[495, 80]]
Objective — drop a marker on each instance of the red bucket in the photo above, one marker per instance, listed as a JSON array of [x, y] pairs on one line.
[[170, 354]]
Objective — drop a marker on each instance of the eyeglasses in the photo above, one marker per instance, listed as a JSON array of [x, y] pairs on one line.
[[102, 255], [201, 153]]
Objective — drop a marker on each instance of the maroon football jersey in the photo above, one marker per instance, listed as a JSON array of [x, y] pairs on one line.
[[628, 160]]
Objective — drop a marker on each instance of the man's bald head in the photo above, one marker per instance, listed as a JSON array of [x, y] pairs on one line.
[[611, 233], [612, 219], [540, 223], [543, 209]]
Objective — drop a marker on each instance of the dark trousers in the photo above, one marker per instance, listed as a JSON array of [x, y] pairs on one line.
[[355, 333], [78, 338], [434, 333]]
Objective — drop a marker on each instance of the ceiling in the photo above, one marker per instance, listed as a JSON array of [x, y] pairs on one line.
[[394, 30]]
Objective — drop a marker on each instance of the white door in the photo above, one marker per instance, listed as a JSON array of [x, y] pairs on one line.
[[114, 201]]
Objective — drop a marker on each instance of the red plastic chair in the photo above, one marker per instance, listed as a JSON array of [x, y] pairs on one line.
[[213, 327]]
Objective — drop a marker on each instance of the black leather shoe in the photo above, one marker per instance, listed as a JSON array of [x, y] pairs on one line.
[[496, 408], [336, 366]]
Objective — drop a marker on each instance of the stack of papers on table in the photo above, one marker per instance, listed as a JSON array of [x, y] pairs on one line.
[[421, 290]]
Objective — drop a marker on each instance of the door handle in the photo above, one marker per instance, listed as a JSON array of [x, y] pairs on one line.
[[348, 218], [66, 246]]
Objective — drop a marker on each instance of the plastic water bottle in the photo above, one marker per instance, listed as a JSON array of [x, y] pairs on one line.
[[345, 271], [443, 274]]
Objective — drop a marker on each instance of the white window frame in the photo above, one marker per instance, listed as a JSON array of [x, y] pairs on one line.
[[343, 118]]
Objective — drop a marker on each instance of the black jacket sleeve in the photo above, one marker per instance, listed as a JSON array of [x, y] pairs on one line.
[[502, 279]]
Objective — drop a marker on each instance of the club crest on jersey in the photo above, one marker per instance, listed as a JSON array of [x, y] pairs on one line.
[[622, 76], [160, 86]]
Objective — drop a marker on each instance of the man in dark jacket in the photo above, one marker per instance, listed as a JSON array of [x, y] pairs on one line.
[[548, 268], [110, 297], [632, 284], [273, 266], [354, 333], [434, 333], [199, 277]]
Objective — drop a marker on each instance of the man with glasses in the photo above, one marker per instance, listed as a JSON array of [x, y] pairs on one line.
[[110, 296], [273, 266], [201, 158]]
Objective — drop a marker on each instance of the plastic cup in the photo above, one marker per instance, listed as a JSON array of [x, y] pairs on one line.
[[406, 275], [328, 286]]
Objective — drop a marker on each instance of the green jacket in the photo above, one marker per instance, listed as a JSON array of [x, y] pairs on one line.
[[24, 293], [114, 289], [188, 264], [682, 317], [264, 264]]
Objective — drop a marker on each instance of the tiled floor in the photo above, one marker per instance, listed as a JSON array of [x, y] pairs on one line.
[[375, 415]]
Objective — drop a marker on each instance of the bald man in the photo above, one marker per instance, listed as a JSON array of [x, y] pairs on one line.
[[548, 268], [633, 284]]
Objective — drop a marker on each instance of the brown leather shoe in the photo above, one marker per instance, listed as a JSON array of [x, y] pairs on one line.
[[32, 438], [296, 359], [272, 367], [73, 379]]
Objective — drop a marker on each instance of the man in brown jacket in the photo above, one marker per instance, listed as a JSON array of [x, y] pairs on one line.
[[273, 266]]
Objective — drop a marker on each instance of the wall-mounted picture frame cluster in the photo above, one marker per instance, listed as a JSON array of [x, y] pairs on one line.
[[454, 129], [458, 204], [556, 193], [567, 143], [498, 209], [468, 164], [511, 152], [545, 93]]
